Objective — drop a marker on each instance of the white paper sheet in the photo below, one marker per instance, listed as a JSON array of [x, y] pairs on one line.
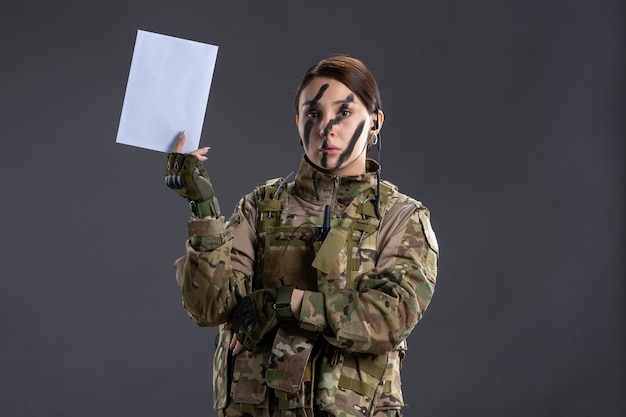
[[167, 91]]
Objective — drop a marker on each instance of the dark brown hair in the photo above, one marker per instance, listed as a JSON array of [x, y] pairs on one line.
[[352, 73]]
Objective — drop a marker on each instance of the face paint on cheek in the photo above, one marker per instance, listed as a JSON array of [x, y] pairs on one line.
[[353, 141], [308, 126], [307, 133]]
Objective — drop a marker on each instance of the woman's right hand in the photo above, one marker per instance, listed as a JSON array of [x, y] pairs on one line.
[[186, 176]]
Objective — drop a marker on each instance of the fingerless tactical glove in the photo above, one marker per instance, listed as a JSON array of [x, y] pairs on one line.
[[259, 312], [187, 177]]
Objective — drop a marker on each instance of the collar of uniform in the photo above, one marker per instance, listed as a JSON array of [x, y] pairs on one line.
[[315, 185]]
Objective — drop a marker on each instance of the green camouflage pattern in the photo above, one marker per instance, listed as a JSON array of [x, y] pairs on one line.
[[363, 297], [222, 362], [385, 305], [291, 353]]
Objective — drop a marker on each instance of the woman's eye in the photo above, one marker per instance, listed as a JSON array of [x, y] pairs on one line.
[[345, 113], [312, 115]]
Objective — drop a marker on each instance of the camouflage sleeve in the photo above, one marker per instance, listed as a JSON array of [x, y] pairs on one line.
[[387, 301], [217, 264]]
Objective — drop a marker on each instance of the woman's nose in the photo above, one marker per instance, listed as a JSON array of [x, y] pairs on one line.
[[327, 126]]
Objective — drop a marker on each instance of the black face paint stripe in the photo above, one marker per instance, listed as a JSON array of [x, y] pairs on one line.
[[330, 125], [337, 120], [317, 97], [353, 140], [348, 100], [307, 132], [309, 124], [324, 160]]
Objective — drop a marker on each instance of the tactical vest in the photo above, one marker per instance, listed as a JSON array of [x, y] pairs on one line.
[[290, 254]]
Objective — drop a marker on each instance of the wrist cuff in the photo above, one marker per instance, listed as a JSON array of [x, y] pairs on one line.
[[198, 227], [313, 312]]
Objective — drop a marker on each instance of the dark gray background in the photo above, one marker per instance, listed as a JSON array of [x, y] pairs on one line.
[[506, 118]]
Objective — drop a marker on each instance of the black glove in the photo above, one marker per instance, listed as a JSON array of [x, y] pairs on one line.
[[259, 312], [187, 177]]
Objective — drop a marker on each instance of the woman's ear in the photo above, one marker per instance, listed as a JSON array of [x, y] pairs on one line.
[[296, 119], [377, 121]]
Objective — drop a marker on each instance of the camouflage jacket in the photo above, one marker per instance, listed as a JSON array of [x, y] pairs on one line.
[[349, 340]]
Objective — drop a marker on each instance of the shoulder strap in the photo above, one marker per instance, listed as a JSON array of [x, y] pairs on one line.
[[366, 207]]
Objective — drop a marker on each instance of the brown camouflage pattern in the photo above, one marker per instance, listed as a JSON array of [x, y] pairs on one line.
[[369, 290]]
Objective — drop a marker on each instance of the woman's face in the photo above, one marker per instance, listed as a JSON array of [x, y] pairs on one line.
[[334, 126]]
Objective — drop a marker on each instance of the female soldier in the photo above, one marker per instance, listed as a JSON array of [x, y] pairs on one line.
[[315, 283]]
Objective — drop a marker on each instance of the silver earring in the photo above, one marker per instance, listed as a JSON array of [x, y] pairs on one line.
[[374, 138]]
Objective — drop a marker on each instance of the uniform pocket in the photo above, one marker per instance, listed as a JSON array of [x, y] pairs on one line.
[[351, 384], [248, 384], [288, 254]]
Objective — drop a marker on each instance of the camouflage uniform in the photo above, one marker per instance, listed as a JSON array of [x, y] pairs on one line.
[[362, 298]]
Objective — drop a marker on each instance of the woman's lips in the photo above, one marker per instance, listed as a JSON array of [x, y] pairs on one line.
[[329, 150]]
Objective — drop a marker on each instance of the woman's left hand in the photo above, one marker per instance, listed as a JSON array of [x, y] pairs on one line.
[[198, 153]]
